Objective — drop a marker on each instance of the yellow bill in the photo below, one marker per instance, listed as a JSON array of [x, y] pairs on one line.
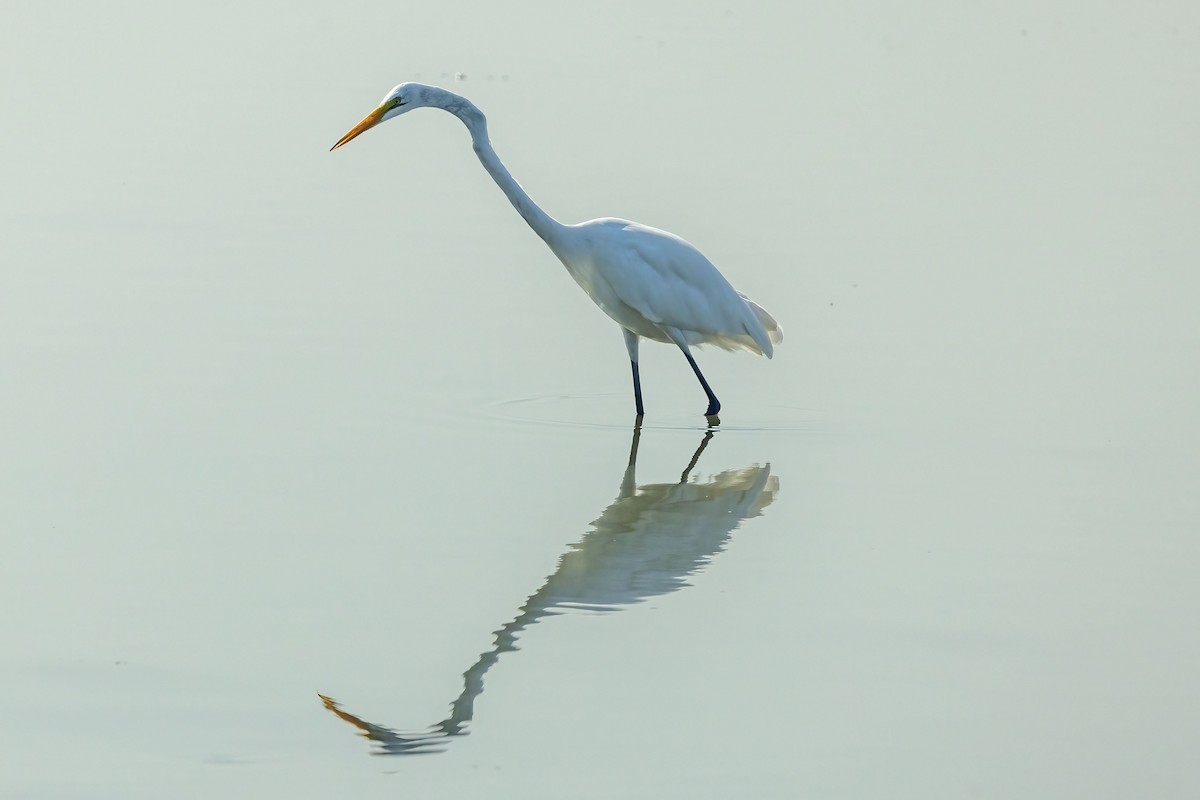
[[369, 121]]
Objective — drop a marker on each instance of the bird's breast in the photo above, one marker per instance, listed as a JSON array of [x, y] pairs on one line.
[[591, 277]]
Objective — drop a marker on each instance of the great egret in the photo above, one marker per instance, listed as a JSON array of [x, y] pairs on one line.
[[652, 283]]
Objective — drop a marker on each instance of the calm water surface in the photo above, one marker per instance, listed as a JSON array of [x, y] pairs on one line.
[[321, 477]]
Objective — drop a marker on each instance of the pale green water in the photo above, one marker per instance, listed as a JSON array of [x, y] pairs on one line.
[[279, 422]]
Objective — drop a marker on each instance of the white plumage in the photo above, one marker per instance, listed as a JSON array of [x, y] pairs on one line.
[[653, 284]]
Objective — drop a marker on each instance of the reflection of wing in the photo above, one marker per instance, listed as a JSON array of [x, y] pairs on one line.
[[646, 543], [649, 543]]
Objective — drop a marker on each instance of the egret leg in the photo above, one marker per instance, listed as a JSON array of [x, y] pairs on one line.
[[631, 344], [714, 405], [637, 390]]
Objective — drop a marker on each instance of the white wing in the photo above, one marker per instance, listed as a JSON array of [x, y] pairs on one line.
[[670, 284]]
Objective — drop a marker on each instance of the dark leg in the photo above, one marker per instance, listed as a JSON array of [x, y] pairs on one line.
[[631, 344], [637, 390], [714, 405]]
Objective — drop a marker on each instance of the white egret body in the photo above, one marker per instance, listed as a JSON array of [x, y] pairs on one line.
[[652, 283]]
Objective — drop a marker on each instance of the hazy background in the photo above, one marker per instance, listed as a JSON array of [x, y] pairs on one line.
[[275, 421]]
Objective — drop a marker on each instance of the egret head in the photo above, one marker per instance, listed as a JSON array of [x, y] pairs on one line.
[[400, 100]]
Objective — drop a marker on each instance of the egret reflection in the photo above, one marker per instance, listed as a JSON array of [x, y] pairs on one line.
[[647, 543]]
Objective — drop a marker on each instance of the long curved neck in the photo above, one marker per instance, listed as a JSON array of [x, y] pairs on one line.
[[542, 223]]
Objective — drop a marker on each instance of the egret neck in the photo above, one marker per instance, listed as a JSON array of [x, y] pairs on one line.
[[542, 223]]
